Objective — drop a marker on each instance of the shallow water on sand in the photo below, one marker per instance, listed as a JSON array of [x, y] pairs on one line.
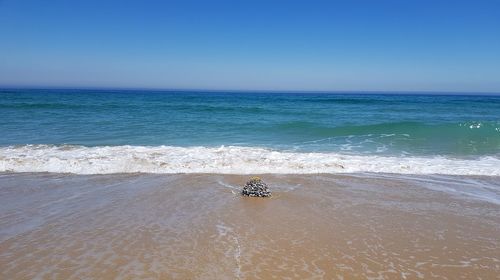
[[147, 226]]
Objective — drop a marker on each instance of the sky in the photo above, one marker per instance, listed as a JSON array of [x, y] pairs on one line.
[[372, 45]]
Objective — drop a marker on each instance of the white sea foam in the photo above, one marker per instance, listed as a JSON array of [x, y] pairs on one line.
[[224, 160]]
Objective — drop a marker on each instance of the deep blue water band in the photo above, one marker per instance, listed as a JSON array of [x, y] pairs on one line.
[[461, 126]]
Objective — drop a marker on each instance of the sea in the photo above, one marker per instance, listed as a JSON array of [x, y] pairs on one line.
[[146, 131]]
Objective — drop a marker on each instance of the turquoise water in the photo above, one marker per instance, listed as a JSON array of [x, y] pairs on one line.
[[380, 124]]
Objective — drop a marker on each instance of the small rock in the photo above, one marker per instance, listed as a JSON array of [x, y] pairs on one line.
[[256, 188]]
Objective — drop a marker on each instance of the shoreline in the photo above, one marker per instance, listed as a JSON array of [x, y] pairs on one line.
[[198, 226], [227, 160]]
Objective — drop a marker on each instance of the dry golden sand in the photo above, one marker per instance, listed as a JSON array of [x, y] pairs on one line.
[[199, 227]]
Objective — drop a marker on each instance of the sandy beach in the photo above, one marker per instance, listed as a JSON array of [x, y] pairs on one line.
[[145, 226]]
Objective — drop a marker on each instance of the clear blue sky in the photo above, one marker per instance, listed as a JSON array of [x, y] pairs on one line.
[[277, 45]]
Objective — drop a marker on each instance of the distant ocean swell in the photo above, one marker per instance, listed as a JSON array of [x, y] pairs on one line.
[[225, 160], [458, 129], [459, 138]]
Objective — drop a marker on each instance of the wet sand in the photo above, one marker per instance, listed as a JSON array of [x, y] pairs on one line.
[[361, 226]]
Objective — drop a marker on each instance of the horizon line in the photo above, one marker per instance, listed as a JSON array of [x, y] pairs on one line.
[[409, 92]]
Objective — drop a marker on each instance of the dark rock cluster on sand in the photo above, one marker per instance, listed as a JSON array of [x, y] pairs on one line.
[[256, 187]]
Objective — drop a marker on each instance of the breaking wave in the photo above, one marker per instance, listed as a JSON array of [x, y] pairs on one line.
[[224, 160]]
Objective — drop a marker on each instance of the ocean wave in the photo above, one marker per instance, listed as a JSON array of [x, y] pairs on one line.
[[464, 130], [419, 138], [224, 160]]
